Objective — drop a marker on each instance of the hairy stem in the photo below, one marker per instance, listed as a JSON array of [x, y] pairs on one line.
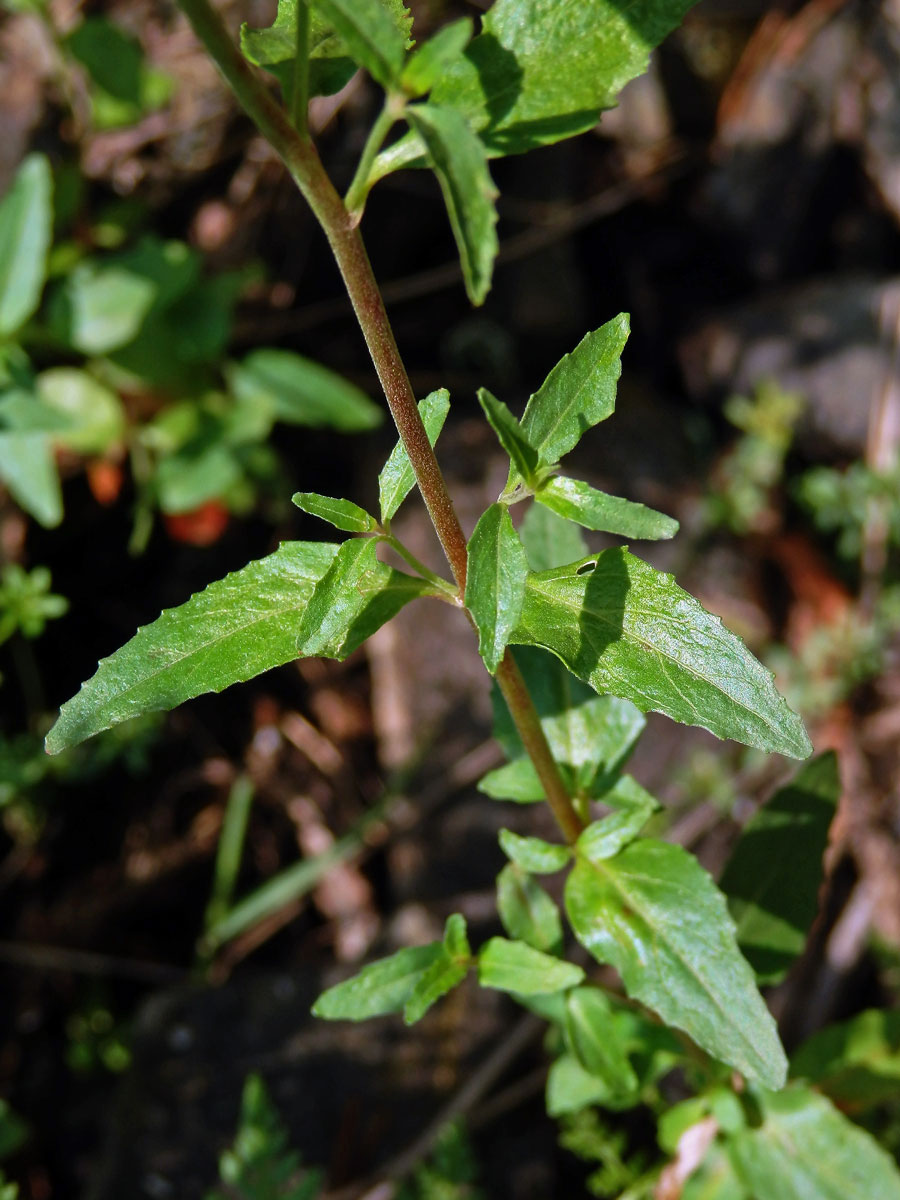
[[302, 161]]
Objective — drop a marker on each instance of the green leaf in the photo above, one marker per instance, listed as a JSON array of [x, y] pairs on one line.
[[303, 392], [444, 974], [519, 968], [426, 65], [855, 1063], [539, 72], [517, 781], [630, 630], [772, 879], [578, 393], [26, 223], [102, 307], [654, 914], [578, 501], [589, 734], [200, 471], [246, 623], [806, 1150], [275, 48], [633, 807], [593, 1038], [397, 478], [527, 912], [234, 629], [523, 456], [343, 514], [91, 416], [458, 159], [28, 469], [534, 854], [371, 35], [355, 596], [114, 60], [495, 584], [549, 540], [383, 986], [570, 1087]]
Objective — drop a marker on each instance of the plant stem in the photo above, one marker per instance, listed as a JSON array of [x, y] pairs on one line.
[[359, 188], [528, 726], [302, 161], [300, 90]]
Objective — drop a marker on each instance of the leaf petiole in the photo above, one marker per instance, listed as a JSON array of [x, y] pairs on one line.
[[443, 585], [355, 200]]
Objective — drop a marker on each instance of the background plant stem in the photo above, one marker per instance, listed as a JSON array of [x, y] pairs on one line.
[[302, 161]]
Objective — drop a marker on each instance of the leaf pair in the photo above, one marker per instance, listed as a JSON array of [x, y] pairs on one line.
[[578, 393], [413, 979]]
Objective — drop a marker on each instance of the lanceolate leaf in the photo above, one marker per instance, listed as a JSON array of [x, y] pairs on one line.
[[26, 220], [370, 34], [633, 807], [244, 624], [594, 1039], [773, 878], [805, 1149], [578, 393], [447, 970], [523, 456], [534, 854], [527, 911], [28, 469], [382, 987], [302, 392], [355, 596], [654, 914], [571, 1087], [460, 163], [235, 628], [517, 781], [519, 968], [495, 585], [343, 514], [426, 65], [397, 478], [629, 630], [549, 540], [578, 501]]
